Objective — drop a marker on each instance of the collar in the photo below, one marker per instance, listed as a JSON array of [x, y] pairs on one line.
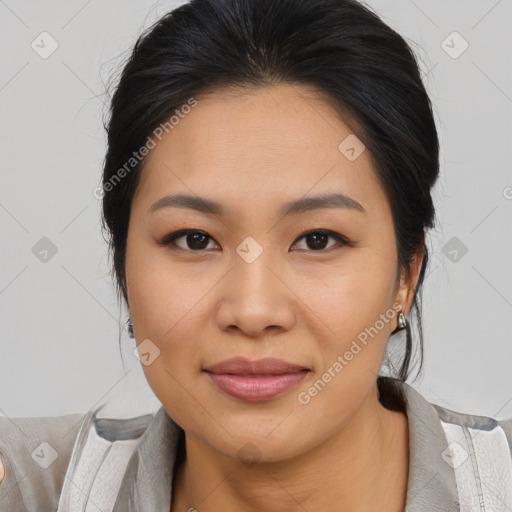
[[147, 482], [432, 485]]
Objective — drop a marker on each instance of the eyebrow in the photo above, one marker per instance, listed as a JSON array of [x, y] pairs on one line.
[[305, 204]]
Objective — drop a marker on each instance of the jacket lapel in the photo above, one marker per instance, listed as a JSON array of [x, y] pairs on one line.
[[432, 485], [147, 482]]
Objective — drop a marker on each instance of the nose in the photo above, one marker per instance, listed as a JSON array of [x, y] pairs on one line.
[[255, 299]]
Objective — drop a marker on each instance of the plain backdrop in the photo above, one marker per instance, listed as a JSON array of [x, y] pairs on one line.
[[59, 325]]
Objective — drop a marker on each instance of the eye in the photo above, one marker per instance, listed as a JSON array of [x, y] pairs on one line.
[[192, 240], [317, 239]]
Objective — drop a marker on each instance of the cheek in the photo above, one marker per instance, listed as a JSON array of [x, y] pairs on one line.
[[353, 294], [351, 306], [160, 293], [351, 303], [166, 307]]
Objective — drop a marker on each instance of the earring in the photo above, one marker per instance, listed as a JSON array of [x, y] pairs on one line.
[[402, 321], [130, 328]]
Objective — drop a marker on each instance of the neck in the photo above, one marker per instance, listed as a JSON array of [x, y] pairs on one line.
[[363, 465]]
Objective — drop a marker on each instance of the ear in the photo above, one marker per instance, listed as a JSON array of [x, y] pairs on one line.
[[405, 292]]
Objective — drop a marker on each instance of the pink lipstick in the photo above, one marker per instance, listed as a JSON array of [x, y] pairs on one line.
[[255, 380]]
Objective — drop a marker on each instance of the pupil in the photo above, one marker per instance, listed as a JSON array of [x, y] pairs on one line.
[[316, 238], [194, 240]]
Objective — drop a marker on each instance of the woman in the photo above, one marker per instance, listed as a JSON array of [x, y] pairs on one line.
[[267, 193]]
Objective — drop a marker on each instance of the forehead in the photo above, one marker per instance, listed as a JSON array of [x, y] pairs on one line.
[[273, 143]]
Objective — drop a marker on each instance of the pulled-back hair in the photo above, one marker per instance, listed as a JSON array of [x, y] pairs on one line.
[[341, 48]]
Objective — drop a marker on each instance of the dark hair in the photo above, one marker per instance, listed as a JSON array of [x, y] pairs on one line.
[[340, 48]]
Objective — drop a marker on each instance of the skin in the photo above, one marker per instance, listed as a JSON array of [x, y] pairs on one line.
[[253, 150]]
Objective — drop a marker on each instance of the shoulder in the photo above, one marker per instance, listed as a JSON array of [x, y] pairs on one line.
[[480, 453], [34, 453], [460, 423], [483, 440], [474, 421], [506, 425]]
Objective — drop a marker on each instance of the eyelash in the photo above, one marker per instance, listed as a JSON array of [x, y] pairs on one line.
[[169, 239]]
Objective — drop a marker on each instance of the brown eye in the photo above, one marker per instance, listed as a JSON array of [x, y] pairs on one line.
[[318, 240], [189, 240]]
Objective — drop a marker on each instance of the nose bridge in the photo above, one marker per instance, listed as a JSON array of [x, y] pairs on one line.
[[255, 298], [253, 278]]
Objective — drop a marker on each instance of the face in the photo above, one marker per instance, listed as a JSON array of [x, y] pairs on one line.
[[315, 287]]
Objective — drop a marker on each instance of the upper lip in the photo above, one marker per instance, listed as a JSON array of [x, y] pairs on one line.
[[244, 366]]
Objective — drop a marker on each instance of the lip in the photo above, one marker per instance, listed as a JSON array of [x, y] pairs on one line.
[[244, 366], [259, 380]]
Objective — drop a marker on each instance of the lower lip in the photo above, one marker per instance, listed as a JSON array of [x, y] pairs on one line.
[[256, 388]]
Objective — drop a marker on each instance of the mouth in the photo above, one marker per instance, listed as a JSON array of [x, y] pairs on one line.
[[255, 380]]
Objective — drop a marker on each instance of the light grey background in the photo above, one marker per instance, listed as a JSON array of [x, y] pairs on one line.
[[59, 322]]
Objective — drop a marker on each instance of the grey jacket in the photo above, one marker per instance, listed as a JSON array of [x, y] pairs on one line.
[[81, 462]]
